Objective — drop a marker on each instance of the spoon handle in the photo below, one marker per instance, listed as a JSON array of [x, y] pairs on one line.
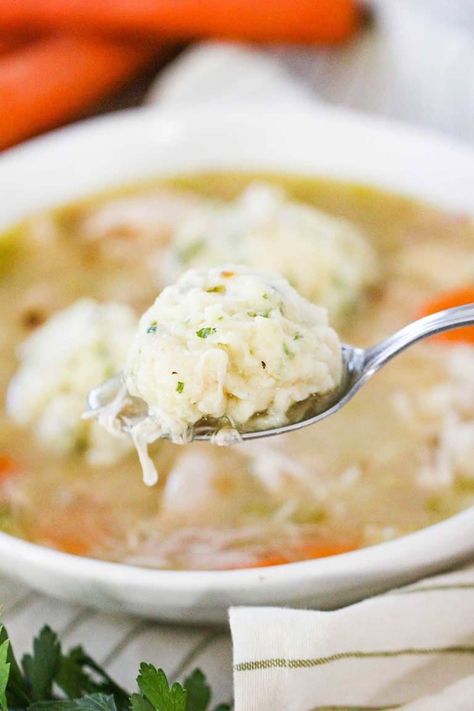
[[382, 352]]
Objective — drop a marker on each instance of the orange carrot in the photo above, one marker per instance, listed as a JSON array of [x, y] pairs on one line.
[[324, 549], [327, 21], [9, 42], [79, 542], [50, 81], [447, 300], [307, 551], [267, 562], [79, 528], [8, 466], [68, 543]]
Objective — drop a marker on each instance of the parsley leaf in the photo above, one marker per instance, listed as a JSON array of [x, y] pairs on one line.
[[139, 703], [84, 686], [198, 692], [91, 702], [154, 686], [41, 666], [71, 678], [205, 332], [180, 386], [4, 673], [74, 678], [17, 692]]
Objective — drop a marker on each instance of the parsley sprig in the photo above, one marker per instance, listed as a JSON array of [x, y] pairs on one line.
[[49, 679]]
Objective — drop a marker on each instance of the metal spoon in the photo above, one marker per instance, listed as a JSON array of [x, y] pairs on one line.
[[359, 365]]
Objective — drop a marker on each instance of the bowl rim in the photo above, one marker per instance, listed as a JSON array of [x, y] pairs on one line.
[[413, 545], [410, 135], [122, 574]]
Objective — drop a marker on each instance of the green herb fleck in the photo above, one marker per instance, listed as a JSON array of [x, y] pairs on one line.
[[435, 505], [218, 289], [205, 332], [109, 371], [266, 296], [180, 386], [464, 484], [101, 350], [349, 308], [291, 279], [190, 251], [152, 328], [81, 443], [254, 314], [297, 336], [287, 351]]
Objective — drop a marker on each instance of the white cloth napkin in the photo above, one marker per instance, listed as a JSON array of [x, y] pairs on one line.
[[414, 645], [412, 648]]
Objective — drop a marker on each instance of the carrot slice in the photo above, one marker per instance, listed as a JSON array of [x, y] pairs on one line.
[[327, 21], [307, 551], [448, 300], [78, 529], [50, 81], [324, 549], [76, 545], [8, 466], [267, 562]]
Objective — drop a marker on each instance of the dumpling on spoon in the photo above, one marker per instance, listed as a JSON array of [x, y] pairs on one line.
[[230, 346]]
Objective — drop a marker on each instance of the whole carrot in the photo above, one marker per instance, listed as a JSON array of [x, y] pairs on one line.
[[326, 21], [52, 80], [9, 42]]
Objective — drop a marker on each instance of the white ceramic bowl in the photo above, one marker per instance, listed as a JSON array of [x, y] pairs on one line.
[[119, 148]]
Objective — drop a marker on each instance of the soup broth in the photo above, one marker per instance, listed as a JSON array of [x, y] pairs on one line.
[[391, 462]]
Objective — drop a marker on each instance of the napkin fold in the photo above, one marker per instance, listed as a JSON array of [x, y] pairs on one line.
[[412, 648]]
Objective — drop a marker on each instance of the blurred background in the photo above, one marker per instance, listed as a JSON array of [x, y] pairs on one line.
[[64, 60]]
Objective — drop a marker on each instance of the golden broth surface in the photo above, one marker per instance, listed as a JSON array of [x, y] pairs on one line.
[[365, 461]]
